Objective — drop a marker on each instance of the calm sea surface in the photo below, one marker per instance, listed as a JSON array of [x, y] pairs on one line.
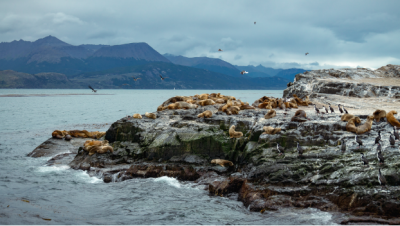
[[66, 196]]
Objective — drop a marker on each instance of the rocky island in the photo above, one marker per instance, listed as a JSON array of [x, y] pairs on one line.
[[329, 173]]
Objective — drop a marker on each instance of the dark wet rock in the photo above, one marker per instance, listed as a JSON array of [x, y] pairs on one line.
[[54, 146]]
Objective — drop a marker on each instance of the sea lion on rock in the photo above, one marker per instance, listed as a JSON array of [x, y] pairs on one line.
[[58, 134], [391, 119], [378, 114], [89, 143], [206, 102], [299, 116], [233, 133], [233, 110], [366, 126], [182, 105], [222, 162], [299, 101], [137, 116], [346, 117], [206, 114], [246, 106], [227, 105], [99, 149], [86, 134], [271, 130], [270, 114], [351, 124], [68, 137], [150, 115]]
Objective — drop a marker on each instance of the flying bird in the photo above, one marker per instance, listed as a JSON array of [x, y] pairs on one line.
[[307, 53], [93, 90], [162, 77], [220, 50], [135, 78], [254, 22], [244, 72]]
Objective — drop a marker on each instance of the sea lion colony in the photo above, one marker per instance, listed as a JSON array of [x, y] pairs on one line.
[[230, 105]]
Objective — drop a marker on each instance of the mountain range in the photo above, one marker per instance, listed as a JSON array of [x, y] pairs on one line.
[[52, 63]]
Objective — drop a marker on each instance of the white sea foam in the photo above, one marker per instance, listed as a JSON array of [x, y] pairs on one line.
[[83, 176], [47, 169], [169, 180]]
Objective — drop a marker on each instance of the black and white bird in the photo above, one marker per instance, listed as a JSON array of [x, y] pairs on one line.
[[300, 150], [316, 109], [378, 138], [307, 53], [343, 145], [364, 160], [331, 108], [379, 148], [244, 72], [340, 109], [380, 157], [381, 179], [326, 110], [93, 90], [344, 109], [162, 78], [280, 149], [395, 133], [135, 79], [392, 139], [359, 141]]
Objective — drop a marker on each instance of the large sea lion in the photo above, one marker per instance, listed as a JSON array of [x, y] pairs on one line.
[[58, 134], [86, 134], [351, 124], [205, 114], [206, 102], [378, 114], [299, 116], [232, 110], [150, 115], [233, 133], [391, 119], [270, 114], [271, 130], [366, 126], [137, 116], [222, 162]]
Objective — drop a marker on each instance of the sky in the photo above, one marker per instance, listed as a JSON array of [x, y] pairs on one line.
[[336, 34]]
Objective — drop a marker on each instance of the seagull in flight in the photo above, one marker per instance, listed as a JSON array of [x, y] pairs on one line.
[[93, 90], [220, 50], [254, 22], [307, 53], [244, 72], [135, 78], [162, 77]]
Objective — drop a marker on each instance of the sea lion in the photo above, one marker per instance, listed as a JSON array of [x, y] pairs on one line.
[[58, 134], [150, 115], [271, 130], [264, 104], [246, 106], [218, 100], [205, 114], [206, 102], [232, 110], [366, 126], [299, 101], [270, 114], [227, 105], [233, 133], [391, 119], [351, 124], [378, 114], [228, 97], [160, 108], [182, 105], [299, 116], [222, 162], [68, 137], [346, 117], [203, 96], [137, 116], [99, 149], [86, 134], [89, 143]]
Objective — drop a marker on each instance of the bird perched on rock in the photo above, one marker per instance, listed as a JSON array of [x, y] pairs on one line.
[[300, 150], [326, 110], [344, 109], [162, 78], [378, 138], [331, 108], [379, 155], [381, 179], [316, 109], [93, 90], [392, 139], [379, 148], [364, 160], [135, 79], [359, 141], [280, 149], [395, 133], [343, 145], [340, 109], [244, 72]]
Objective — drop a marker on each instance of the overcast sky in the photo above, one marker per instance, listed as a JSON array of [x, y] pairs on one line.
[[335, 33]]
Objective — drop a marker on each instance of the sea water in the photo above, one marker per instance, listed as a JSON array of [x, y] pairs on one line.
[[33, 193]]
